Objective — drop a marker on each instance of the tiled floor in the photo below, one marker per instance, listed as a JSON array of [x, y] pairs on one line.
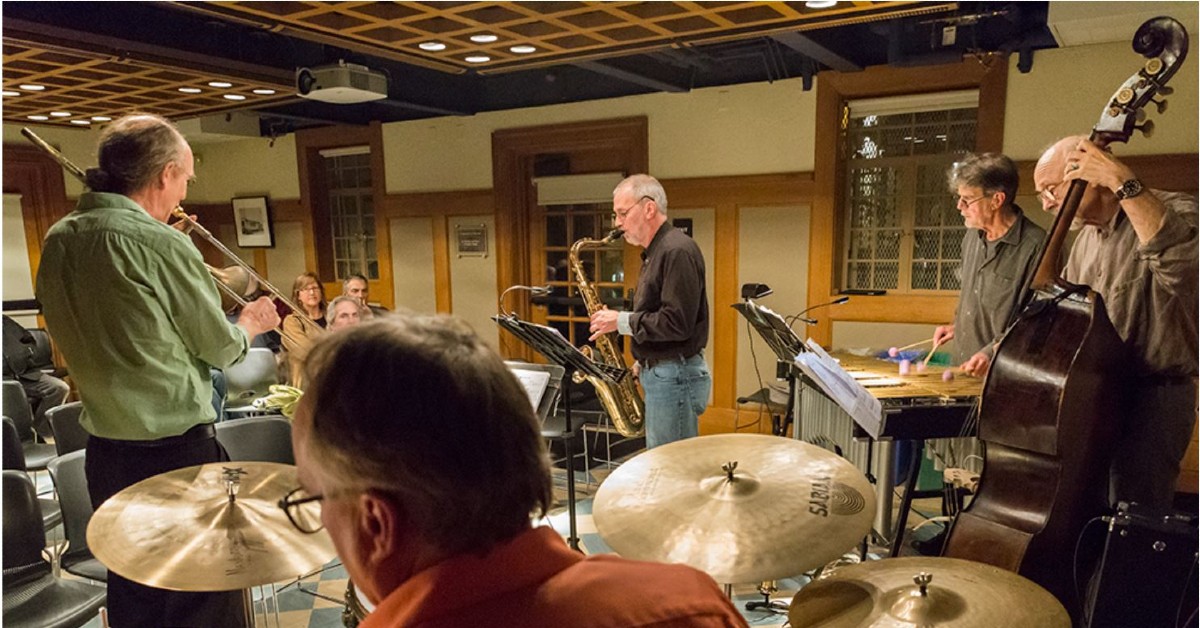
[[318, 601]]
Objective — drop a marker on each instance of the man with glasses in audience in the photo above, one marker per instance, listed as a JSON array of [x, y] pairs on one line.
[[1137, 248], [999, 250], [669, 322], [425, 459]]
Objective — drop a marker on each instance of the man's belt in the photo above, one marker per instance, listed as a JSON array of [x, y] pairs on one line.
[[203, 431], [652, 362]]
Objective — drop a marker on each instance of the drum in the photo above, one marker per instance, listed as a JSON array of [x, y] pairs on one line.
[[357, 606]]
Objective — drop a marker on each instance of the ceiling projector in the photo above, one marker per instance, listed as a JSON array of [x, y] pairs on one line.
[[343, 84]]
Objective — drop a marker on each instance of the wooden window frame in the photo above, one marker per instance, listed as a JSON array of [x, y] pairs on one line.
[[833, 90]]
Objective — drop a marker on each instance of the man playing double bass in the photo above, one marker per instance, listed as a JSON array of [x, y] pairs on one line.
[[1138, 250], [138, 318]]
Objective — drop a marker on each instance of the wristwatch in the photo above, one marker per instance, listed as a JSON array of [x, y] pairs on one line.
[[1129, 189]]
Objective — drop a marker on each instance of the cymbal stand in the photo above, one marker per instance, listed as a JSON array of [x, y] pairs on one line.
[[766, 588]]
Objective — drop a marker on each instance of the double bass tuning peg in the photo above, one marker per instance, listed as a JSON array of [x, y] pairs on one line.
[[1161, 105], [1147, 128]]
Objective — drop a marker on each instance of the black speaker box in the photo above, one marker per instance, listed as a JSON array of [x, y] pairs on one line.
[[1147, 575]]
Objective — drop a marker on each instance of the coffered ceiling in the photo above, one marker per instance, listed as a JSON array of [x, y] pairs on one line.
[[95, 60]]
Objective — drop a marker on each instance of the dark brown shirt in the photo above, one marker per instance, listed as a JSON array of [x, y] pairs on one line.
[[992, 276], [1149, 289], [670, 308]]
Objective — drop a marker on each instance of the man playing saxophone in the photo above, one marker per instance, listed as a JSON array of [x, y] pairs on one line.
[[138, 318], [668, 326]]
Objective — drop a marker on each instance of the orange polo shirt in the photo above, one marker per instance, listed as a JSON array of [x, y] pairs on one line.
[[535, 581]]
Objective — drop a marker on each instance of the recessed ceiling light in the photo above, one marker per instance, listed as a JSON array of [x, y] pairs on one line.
[[523, 50], [39, 118], [432, 46], [264, 92], [81, 122], [32, 88], [220, 84], [234, 97], [61, 114], [820, 4], [9, 92], [485, 38], [478, 59], [101, 118], [190, 90]]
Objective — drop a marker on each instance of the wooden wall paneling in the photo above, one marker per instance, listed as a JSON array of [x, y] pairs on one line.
[[441, 263], [727, 195], [39, 180], [439, 207], [512, 153], [833, 89]]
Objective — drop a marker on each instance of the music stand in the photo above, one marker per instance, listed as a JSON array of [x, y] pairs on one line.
[[551, 344], [780, 337]]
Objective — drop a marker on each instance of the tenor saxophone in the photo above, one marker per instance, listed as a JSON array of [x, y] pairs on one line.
[[620, 400]]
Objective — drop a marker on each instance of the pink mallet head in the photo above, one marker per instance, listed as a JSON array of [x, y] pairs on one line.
[[905, 367], [947, 375], [893, 352]]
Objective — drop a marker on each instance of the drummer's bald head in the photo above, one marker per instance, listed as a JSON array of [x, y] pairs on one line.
[[420, 408], [133, 151]]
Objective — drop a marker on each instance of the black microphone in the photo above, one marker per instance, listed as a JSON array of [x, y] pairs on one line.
[[813, 321]]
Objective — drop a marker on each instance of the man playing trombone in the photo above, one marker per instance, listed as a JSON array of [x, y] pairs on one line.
[[138, 318]]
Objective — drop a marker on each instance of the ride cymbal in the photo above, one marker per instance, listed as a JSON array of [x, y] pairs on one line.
[[740, 507], [182, 531], [925, 591]]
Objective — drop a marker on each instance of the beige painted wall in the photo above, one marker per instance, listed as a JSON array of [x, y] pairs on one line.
[[412, 264], [473, 290], [222, 170], [747, 129], [772, 249], [1067, 89]]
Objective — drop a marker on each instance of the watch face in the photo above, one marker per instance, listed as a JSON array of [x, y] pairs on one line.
[[1129, 189]]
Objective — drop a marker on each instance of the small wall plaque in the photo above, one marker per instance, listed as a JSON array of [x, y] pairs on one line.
[[472, 240]]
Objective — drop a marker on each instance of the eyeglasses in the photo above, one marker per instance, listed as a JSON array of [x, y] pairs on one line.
[[310, 289], [965, 202], [621, 214], [1049, 196], [303, 510]]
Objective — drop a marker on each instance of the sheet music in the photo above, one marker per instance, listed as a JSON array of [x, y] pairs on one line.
[[856, 400], [535, 383]]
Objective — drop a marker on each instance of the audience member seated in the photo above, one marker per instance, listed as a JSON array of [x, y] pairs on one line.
[[43, 390], [425, 457], [356, 286], [301, 328], [345, 311]]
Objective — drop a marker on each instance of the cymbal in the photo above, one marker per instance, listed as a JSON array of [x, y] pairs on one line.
[[180, 531], [958, 593], [789, 507]]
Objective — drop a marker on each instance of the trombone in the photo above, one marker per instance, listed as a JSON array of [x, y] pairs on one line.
[[222, 277]]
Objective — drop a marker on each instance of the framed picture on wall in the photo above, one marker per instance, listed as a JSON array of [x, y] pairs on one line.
[[253, 222]]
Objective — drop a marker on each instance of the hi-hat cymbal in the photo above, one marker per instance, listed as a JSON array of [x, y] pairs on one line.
[[786, 507], [957, 592], [181, 531]]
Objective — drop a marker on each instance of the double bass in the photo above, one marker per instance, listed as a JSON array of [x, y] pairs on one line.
[[1049, 407]]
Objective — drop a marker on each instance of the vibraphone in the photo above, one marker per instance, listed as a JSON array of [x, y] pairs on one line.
[[916, 407]]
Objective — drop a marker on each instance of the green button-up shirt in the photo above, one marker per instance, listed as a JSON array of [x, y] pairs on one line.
[[138, 318]]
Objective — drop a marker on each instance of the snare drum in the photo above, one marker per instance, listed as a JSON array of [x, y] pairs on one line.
[[357, 607]]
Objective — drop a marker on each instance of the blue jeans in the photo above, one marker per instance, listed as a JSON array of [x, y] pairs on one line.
[[676, 395]]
